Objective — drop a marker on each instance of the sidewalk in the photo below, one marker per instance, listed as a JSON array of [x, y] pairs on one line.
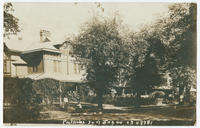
[[113, 107]]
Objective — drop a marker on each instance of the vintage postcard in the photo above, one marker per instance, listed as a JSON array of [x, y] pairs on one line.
[[100, 63]]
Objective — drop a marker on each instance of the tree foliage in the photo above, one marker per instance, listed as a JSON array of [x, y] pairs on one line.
[[99, 48], [169, 43], [184, 78], [10, 22], [178, 32], [139, 58], [145, 60]]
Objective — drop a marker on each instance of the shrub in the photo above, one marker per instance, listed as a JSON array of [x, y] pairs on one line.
[[48, 89], [21, 96]]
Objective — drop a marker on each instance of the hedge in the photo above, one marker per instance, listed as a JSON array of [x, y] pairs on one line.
[[23, 97], [20, 101]]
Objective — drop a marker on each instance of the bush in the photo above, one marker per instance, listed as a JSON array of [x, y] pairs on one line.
[[121, 101], [22, 100], [48, 89]]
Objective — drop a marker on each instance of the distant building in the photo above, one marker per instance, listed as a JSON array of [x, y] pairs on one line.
[[43, 59]]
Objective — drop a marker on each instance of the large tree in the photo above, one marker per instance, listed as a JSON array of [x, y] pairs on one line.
[[99, 49], [10, 22], [177, 32], [144, 71], [180, 34]]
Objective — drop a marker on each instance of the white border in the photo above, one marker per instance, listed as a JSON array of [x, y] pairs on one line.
[[64, 126]]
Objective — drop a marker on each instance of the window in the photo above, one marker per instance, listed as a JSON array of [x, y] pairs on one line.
[[56, 64], [4, 66], [7, 66], [77, 68], [35, 68]]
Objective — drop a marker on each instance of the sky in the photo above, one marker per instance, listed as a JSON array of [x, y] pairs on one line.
[[65, 19]]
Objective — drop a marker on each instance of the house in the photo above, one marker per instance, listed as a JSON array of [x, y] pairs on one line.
[[42, 59]]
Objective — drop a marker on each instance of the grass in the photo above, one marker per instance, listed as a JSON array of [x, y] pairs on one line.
[[159, 115]]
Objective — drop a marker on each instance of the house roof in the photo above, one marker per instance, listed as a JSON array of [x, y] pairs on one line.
[[24, 46], [15, 45], [38, 46]]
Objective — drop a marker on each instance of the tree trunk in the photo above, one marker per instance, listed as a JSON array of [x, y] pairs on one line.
[[138, 98], [100, 100], [187, 95], [180, 98]]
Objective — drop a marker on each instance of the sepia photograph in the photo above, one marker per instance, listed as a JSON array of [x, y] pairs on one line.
[[99, 63]]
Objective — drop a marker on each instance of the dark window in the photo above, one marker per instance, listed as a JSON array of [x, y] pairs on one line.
[[7, 66], [35, 68]]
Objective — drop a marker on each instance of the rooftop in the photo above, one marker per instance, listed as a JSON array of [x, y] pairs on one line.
[[23, 46]]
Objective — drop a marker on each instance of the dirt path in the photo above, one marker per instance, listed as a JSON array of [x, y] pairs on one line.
[[145, 113]]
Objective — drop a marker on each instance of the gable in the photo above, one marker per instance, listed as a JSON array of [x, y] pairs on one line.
[[66, 48]]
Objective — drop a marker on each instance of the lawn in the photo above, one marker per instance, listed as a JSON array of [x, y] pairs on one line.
[[157, 115]]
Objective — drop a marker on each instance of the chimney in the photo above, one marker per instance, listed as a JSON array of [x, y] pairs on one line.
[[44, 36]]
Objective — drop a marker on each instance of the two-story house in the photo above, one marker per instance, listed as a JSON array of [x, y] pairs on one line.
[[43, 59]]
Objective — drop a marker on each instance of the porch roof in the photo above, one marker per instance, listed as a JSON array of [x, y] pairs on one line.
[[57, 76], [41, 49], [46, 46]]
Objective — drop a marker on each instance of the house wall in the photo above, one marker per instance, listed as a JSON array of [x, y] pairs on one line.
[[6, 64], [13, 67], [62, 64], [21, 70], [10, 69], [73, 67], [51, 63], [65, 57], [13, 70]]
